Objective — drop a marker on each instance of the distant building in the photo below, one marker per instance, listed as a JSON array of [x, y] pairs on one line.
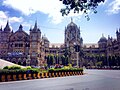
[[113, 45]]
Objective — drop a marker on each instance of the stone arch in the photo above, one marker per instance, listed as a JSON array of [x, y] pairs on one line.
[[8, 59], [19, 63], [19, 59], [14, 62], [24, 63]]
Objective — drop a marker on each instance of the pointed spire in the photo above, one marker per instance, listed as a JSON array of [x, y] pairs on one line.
[[7, 23], [12, 31], [108, 36], [102, 35], [1, 28], [35, 27], [116, 31], [71, 19], [30, 28], [20, 27], [7, 27]]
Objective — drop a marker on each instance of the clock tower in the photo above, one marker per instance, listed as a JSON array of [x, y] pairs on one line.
[[35, 45], [72, 38]]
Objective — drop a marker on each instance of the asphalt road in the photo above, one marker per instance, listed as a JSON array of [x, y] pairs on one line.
[[93, 80]]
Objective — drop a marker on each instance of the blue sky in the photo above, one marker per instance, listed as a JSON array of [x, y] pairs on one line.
[[52, 24]]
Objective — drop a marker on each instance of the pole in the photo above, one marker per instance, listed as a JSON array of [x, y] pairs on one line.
[[77, 59]]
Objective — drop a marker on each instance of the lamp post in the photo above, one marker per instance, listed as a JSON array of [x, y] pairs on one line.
[[77, 49], [28, 61]]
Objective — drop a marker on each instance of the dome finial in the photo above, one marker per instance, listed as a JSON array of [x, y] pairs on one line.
[[44, 35], [71, 19], [20, 27], [102, 35]]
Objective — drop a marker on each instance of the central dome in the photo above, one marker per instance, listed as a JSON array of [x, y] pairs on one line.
[[71, 24]]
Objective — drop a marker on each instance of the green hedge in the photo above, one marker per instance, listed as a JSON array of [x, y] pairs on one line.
[[18, 70], [65, 70], [14, 67]]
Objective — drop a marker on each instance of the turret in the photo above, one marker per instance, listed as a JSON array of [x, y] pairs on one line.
[[7, 27], [1, 29], [20, 28], [35, 26]]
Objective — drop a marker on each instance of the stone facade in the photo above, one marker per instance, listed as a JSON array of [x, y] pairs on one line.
[[19, 47], [72, 38], [33, 49]]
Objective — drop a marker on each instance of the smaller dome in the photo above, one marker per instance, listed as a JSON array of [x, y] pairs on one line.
[[103, 39], [45, 38]]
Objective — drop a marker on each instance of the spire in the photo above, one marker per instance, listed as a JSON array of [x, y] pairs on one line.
[[1, 28], [12, 31], [116, 31], [7, 27], [7, 23], [102, 35], [35, 27], [31, 28], [108, 36], [20, 27], [71, 19]]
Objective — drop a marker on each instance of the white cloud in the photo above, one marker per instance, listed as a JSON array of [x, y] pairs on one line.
[[15, 19], [51, 8], [114, 7], [26, 24], [4, 17]]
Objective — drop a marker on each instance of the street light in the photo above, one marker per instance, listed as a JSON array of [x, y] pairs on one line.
[[77, 49]]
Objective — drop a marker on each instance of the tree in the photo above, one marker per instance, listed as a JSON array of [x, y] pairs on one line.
[[110, 60], [80, 6], [50, 59], [63, 60], [118, 58]]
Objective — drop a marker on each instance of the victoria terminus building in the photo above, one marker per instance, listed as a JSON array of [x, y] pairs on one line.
[[33, 49]]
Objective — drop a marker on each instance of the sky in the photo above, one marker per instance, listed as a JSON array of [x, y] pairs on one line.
[[51, 22]]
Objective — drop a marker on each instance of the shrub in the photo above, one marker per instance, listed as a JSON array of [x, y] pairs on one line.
[[66, 67], [18, 70], [6, 67], [29, 67], [65, 70], [35, 70], [14, 67]]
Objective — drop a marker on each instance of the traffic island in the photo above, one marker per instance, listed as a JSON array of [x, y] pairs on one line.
[[15, 73]]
